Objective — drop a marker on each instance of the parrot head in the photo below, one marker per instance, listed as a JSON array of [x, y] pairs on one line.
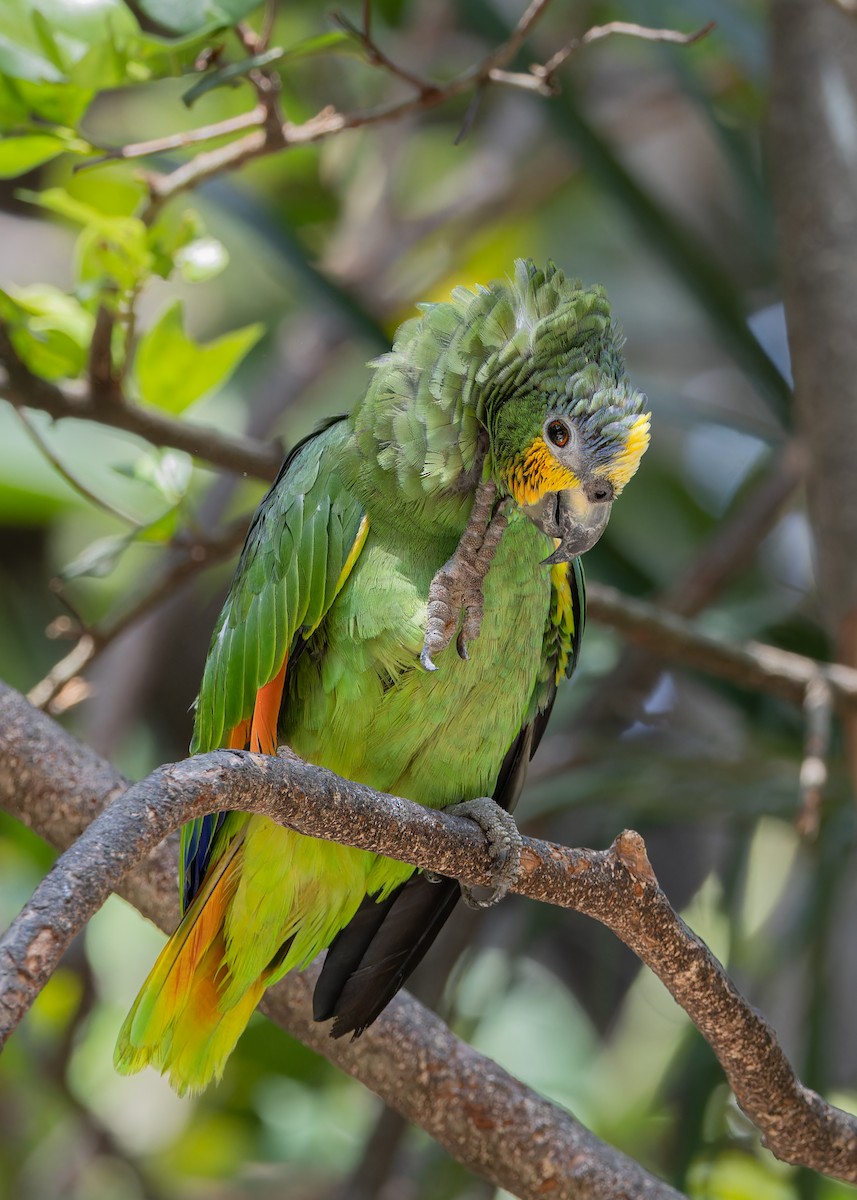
[[566, 428], [528, 368]]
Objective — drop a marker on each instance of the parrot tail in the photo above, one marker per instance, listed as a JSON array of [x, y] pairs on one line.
[[178, 1023]]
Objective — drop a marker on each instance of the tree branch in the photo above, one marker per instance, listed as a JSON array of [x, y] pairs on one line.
[[276, 136], [616, 887], [755, 665], [187, 558], [233, 452]]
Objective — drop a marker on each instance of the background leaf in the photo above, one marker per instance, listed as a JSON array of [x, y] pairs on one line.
[[171, 370]]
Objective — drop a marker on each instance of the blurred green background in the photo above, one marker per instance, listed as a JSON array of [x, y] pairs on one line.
[[647, 174]]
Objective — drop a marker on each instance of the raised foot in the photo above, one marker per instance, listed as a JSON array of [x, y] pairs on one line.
[[505, 845], [457, 586]]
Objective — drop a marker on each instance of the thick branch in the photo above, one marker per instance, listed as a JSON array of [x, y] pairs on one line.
[[23, 389], [488, 1120], [617, 887]]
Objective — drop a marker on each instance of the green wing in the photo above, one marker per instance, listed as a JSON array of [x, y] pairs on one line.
[[305, 538]]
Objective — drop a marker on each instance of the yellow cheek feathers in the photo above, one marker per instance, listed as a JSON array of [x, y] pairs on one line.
[[537, 472], [627, 460]]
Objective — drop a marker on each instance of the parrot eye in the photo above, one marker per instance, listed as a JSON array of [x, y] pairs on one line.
[[557, 431]]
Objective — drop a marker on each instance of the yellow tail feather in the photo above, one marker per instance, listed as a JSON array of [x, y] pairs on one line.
[[179, 1023]]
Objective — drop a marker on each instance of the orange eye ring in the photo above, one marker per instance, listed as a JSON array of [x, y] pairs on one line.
[[557, 431]]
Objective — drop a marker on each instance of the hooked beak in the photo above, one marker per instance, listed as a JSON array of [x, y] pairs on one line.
[[571, 517]]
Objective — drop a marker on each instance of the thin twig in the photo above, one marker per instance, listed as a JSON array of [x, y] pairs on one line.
[[597, 33], [617, 887], [179, 141], [818, 720], [329, 122], [376, 57], [196, 555]]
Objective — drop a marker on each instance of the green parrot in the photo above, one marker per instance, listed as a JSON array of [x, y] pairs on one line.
[[450, 505]]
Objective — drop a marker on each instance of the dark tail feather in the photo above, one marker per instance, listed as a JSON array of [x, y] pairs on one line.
[[375, 953], [356, 987]]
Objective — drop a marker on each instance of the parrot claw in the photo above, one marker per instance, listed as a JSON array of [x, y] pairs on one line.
[[457, 586], [505, 846]]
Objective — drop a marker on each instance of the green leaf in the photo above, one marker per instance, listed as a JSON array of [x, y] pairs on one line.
[[172, 370], [50, 331], [55, 55], [100, 557], [333, 42], [20, 154], [225, 75], [112, 252], [170, 17]]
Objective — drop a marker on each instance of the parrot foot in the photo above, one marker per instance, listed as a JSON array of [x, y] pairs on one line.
[[505, 845], [457, 586]]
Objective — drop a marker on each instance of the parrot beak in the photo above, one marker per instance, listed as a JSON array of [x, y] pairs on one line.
[[577, 522]]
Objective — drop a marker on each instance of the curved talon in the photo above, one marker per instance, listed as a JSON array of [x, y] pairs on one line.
[[505, 845], [426, 659]]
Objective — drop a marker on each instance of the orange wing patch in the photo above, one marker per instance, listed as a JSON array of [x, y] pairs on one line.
[[266, 713], [259, 732]]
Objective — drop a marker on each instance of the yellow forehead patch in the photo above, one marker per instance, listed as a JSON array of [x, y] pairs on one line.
[[536, 472], [623, 466]]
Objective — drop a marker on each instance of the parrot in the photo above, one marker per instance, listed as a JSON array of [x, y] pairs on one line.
[[450, 506]]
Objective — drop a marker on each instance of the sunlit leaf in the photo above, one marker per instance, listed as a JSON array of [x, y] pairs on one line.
[[50, 330], [172, 370], [202, 259], [112, 252], [20, 154]]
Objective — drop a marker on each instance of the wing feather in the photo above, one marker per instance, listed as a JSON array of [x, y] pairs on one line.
[[303, 541]]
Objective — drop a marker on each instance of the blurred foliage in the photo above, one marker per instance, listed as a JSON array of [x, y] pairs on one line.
[[254, 305]]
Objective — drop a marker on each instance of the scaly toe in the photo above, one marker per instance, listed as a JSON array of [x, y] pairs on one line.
[[504, 845]]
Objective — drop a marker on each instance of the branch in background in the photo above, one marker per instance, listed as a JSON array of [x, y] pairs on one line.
[[541, 76], [23, 389], [753, 665], [194, 555], [616, 887], [270, 134], [818, 726]]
